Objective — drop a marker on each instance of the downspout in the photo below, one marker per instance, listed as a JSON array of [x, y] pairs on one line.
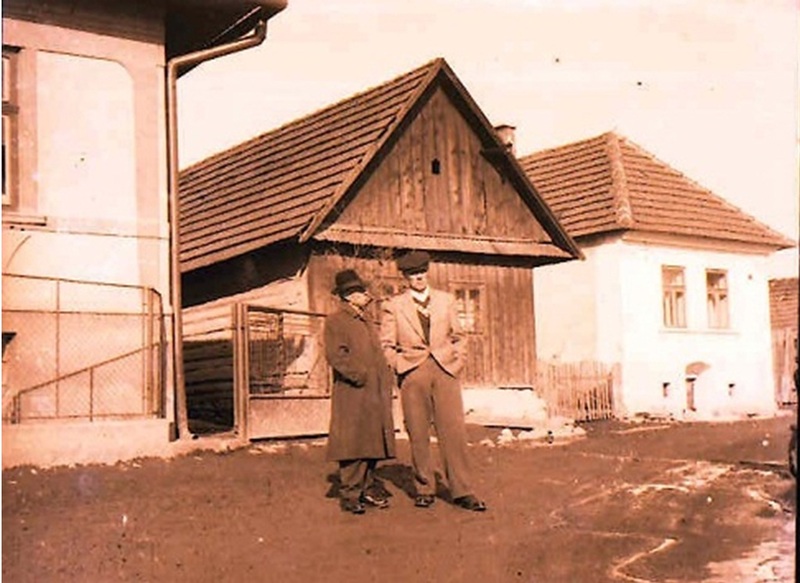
[[173, 67]]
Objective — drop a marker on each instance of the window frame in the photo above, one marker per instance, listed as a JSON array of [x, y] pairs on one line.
[[673, 297], [10, 127], [480, 319], [719, 314]]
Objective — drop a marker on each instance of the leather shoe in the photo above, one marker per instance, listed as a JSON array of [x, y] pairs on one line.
[[469, 502], [353, 506], [373, 500], [424, 501]]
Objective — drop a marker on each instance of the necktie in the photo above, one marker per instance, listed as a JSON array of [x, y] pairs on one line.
[[424, 317]]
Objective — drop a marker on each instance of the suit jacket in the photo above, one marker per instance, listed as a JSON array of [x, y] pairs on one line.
[[403, 340], [361, 424]]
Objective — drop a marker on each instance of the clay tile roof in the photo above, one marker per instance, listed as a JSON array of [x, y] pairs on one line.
[[283, 184], [271, 187], [783, 302], [608, 183]]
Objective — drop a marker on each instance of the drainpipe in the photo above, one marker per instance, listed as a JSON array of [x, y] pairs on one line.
[[173, 67]]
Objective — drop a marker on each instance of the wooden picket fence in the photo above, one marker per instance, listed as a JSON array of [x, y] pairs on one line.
[[583, 391]]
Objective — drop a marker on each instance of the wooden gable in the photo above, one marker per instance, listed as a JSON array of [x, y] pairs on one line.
[[427, 166], [435, 181]]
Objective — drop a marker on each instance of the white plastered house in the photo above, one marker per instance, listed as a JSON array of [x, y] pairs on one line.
[[673, 289]]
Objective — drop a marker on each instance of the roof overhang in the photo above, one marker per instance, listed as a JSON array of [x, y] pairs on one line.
[[188, 25], [192, 25], [441, 75], [733, 244], [377, 237]]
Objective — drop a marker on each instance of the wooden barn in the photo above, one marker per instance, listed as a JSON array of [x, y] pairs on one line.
[[411, 163]]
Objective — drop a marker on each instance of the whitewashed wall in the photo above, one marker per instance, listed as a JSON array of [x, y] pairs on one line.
[[653, 354], [92, 160], [608, 308], [565, 304], [91, 205]]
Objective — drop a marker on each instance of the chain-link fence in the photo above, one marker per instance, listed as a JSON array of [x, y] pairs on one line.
[[286, 354], [81, 350]]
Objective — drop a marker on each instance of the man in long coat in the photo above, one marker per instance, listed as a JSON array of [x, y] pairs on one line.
[[361, 425], [424, 344]]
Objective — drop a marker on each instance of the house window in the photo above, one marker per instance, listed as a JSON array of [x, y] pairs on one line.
[[469, 307], [10, 124], [717, 298], [674, 296]]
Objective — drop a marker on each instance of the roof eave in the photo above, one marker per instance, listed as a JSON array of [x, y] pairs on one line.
[[503, 156], [543, 212], [192, 25], [442, 242], [742, 243]]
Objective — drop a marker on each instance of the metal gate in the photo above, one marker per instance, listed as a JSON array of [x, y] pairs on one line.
[[282, 381]]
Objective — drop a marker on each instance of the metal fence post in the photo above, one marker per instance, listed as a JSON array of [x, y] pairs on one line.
[[240, 371]]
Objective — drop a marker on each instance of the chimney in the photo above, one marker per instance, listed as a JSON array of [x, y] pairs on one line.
[[506, 134]]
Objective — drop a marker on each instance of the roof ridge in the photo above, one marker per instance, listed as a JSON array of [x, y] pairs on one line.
[[563, 146], [623, 213]]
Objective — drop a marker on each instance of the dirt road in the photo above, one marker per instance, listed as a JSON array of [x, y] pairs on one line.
[[648, 502]]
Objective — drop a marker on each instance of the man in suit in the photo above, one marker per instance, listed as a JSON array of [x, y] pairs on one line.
[[424, 344], [361, 425]]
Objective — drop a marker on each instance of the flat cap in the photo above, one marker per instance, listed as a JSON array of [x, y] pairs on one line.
[[414, 262]]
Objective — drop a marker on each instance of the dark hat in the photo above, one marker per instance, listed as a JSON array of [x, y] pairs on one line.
[[348, 281], [413, 262]]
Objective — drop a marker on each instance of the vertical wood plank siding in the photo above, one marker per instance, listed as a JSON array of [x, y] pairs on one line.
[[784, 362], [404, 191], [502, 355]]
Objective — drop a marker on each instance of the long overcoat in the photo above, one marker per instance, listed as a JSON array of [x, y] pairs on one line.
[[361, 425]]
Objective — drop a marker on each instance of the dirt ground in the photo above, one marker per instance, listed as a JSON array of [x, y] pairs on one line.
[[628, 502]]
